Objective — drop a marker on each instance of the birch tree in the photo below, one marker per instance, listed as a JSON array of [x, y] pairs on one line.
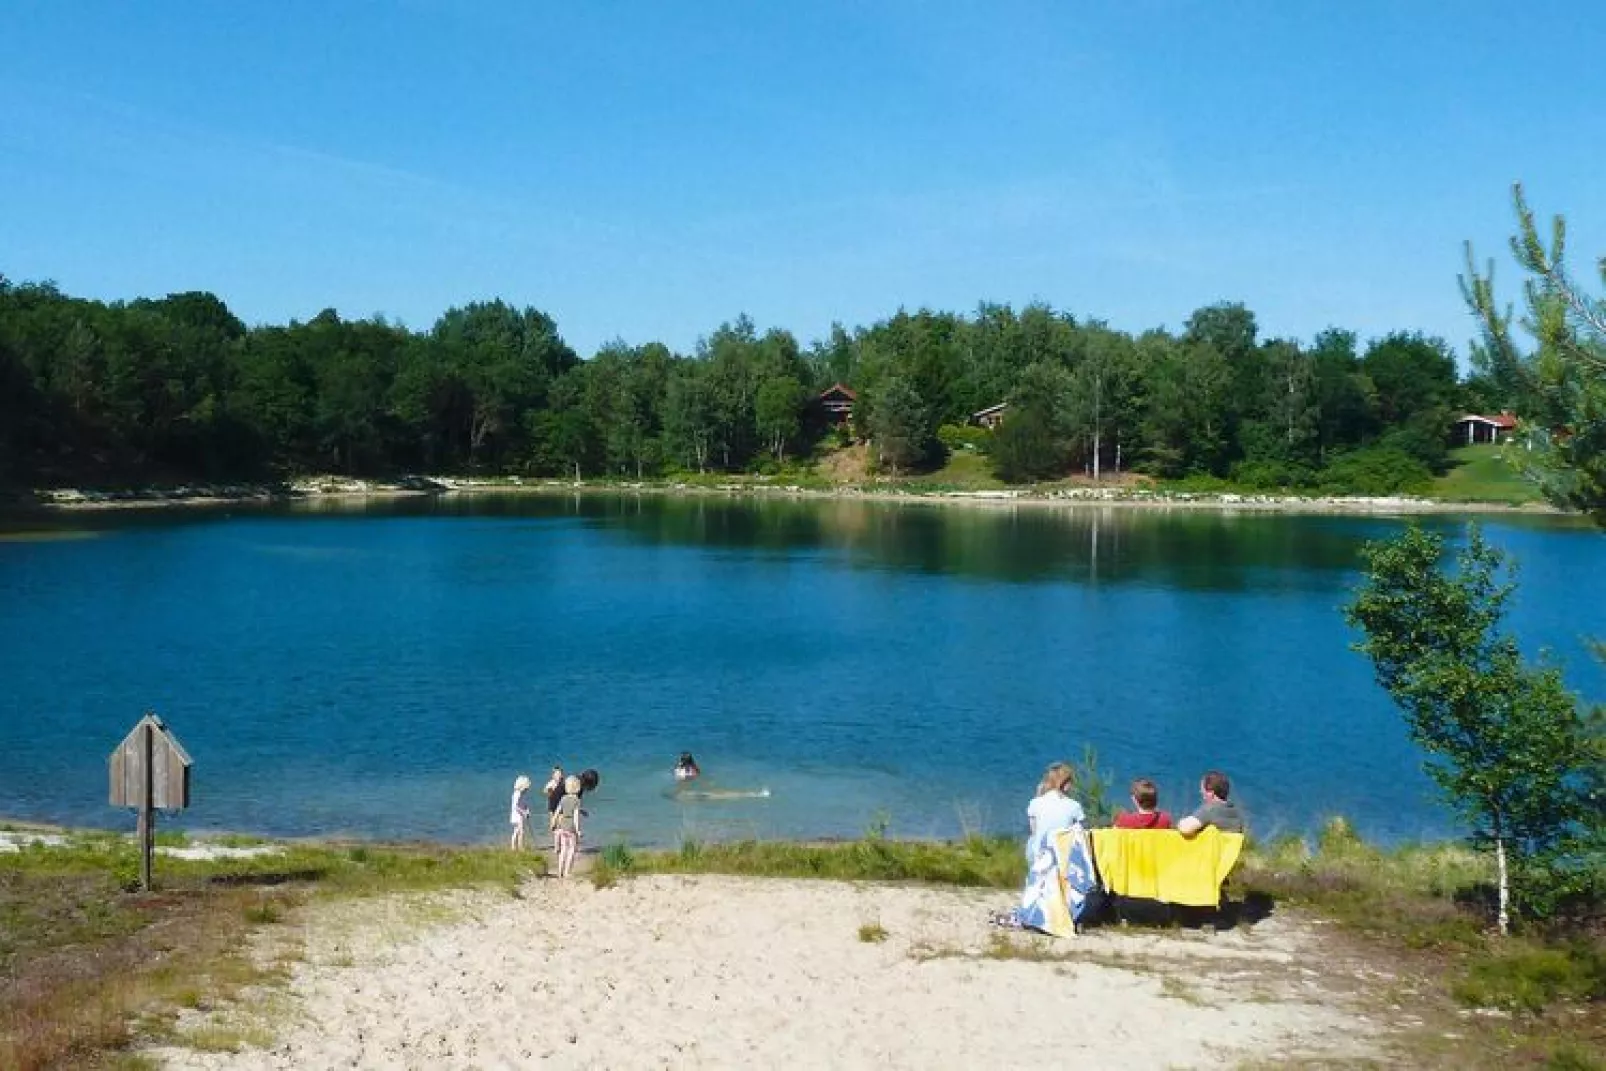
[[1506, 742]]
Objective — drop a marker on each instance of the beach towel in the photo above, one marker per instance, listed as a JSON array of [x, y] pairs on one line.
[[1058, 884], [1161, 864]]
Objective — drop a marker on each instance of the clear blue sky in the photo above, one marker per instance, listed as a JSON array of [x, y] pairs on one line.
[[649, 170]]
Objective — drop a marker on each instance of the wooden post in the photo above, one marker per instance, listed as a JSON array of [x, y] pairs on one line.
[[147, 810]]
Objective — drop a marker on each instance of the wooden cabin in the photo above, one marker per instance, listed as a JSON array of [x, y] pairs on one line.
[[990, 417], [835, 405]]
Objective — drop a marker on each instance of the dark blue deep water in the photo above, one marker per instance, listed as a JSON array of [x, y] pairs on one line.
[[386, 670]]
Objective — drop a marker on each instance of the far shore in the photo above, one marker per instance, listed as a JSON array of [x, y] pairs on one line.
[[336, 489]]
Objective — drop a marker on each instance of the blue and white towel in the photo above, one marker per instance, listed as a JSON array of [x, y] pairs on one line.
[[1058, 883]]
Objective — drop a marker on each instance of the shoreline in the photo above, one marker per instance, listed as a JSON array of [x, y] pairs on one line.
[[66, 500]]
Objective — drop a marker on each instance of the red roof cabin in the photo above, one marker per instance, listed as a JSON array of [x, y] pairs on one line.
[[1473, 428]]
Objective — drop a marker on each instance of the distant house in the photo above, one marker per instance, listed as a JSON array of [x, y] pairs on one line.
[[990, 417], [1473, 428], [835, 404]]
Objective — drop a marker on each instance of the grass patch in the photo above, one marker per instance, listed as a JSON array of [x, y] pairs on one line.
[[1482, 473], [1175, 988], [1530, 979], [604, 875], [1415, 895], [993, 862], [965, 470], [1025, 949], [226, 1038], [872, 933], [1426, 909], [264, 912]]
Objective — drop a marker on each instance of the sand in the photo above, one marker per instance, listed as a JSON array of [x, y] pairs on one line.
[[728, 972]]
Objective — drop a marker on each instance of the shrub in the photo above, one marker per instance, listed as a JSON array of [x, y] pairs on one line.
[[964, 437], [1024, 449], [1375, 470], [1272, 475]]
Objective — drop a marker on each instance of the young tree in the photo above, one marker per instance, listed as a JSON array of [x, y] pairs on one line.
[[1033, 442], [689, 418], [1565, 377], [1506, 741], [898, 425], [778, 412]]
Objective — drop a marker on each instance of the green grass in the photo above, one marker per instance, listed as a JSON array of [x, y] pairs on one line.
[[965, 470], [1411, 894], [994, 862], [872, 933], [1525, 978], [1481, 473]]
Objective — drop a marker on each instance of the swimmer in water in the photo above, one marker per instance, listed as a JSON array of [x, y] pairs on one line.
[[686, 768]]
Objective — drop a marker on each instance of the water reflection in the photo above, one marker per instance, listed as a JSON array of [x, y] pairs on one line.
[[1196, 549]]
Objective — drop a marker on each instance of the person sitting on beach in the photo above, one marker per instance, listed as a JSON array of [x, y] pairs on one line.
[[1215, 810], [1146, 798], [553, 789], [1052, 809], [686, 768], [566, 827], [519, 815]]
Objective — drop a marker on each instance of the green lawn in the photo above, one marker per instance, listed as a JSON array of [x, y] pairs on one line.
[[965, 470], [1482, 474]]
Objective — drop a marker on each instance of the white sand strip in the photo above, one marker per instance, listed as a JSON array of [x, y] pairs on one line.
[[727, 972]]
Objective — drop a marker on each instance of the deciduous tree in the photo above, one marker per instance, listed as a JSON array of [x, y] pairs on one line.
[[1505, 741]]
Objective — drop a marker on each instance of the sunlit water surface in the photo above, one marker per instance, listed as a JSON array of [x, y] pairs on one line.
[[386, 670]]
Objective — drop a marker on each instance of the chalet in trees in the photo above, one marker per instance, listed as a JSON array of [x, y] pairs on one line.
[[1473, 428], [835, 405], [990, 417]]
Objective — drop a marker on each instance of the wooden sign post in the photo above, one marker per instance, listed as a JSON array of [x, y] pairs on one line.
[[150, 769]]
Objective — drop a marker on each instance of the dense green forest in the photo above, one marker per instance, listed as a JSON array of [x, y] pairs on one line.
[[180, 389]]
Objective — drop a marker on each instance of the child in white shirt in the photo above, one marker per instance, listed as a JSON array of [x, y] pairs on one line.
[[519, 812]]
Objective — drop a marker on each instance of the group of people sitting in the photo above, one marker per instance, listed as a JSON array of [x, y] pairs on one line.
[[1055, 807], [564, 813]]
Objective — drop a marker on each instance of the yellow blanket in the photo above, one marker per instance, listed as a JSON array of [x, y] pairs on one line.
[[1160, 864]]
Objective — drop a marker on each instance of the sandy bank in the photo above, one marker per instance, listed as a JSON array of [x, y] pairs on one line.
[[335, 489], [728, 972]]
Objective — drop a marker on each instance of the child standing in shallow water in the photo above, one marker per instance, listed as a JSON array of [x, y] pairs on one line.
[[519, 813], [566, 827]]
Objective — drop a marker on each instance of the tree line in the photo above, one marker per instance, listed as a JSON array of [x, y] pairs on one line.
[[180, 388]]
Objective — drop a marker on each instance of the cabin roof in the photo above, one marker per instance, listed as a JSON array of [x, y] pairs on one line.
[[1000, 407], [839, 389], [1504, 420]]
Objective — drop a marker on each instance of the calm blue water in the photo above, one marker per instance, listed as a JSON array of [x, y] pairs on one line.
[[387, 671]]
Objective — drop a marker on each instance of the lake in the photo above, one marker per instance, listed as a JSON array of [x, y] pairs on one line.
[[385, 669]]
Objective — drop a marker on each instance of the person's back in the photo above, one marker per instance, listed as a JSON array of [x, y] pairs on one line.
[[1216, 808], [1225, 815], [1143, 820], [1052, 809], [1146, 798], [564, 814]]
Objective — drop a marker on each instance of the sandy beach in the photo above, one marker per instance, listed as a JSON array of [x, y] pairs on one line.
[[728, 972]]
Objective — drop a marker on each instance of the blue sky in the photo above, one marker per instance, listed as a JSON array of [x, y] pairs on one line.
[[649, 170]]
